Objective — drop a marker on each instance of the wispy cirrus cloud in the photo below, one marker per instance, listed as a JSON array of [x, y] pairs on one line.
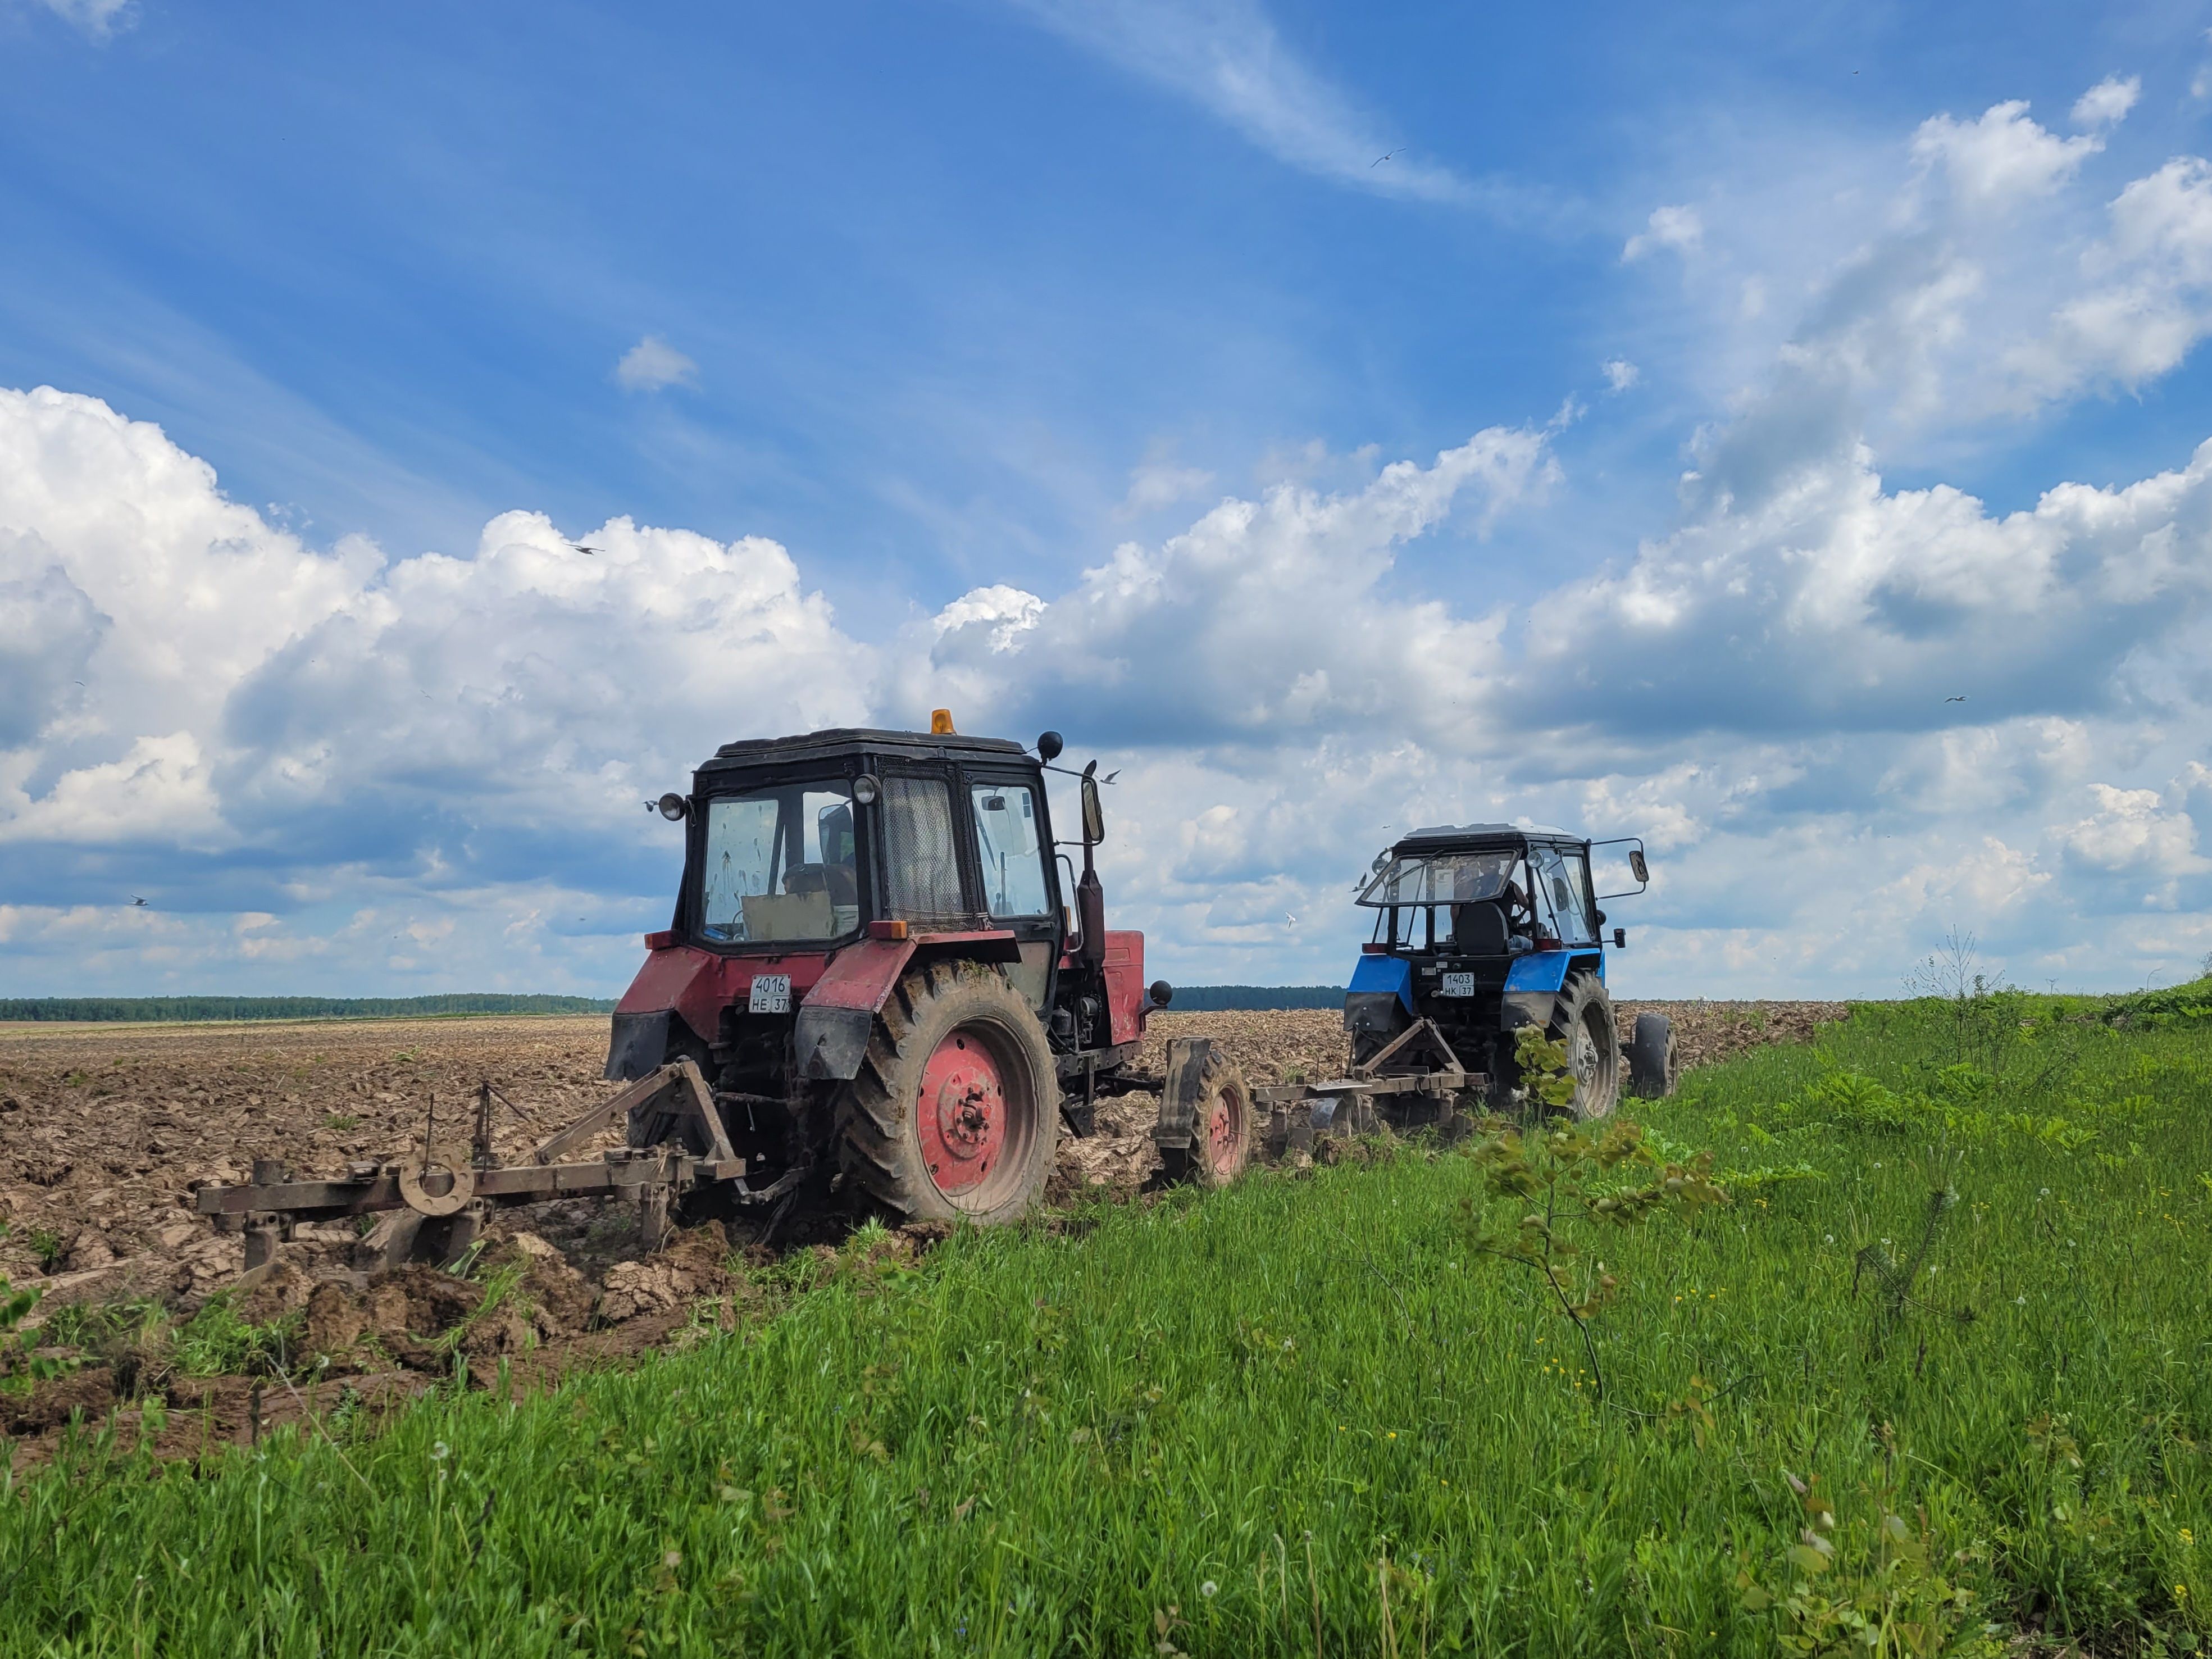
[[1226, 56]]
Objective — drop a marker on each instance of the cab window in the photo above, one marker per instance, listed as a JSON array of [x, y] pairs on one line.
[[1563, 885], [1009, 842]]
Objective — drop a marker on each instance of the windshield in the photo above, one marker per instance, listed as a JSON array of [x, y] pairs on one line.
[[1440, 878], [779, 864]]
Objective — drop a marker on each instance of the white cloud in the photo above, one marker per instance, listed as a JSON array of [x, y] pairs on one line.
[[427, 719], [95, 19], [1160, 483], [1620, 373], [1678, 227], [2003, 156], [2107, 103], [652, 364], [1226, 56]]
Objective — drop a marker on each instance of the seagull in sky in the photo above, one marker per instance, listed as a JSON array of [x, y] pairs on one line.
[[580, 548], [137, 903], [1289, 921], [1381, 159], [1954, 700], [1111, 775]]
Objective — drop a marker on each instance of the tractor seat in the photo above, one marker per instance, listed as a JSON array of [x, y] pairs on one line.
[[1479, 929], [840, 881]]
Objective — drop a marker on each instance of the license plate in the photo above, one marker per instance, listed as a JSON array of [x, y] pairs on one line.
[[1455, 985], [771, 994]]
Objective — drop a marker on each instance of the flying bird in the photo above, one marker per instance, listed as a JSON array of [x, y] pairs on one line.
[[1381, 159], [1289, 921], [580, 548], [1111, 775], [1954, 700], [137, 903]]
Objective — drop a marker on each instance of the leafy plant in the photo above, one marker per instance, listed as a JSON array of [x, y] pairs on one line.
[[1873, 1586], [21, 1368], [1567, 1179], [46, 1244]]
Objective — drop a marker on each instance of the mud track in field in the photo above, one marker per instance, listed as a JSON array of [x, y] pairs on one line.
[[104, 1130]]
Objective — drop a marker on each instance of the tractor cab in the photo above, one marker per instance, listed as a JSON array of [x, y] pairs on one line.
[[1482, 929]]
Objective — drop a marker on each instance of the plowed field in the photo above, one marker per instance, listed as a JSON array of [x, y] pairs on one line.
[[103, 1129]]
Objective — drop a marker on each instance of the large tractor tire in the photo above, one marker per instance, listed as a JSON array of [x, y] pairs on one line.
[[1584, 1023], [956, 1110], [1221, 1133], [1652, 1069]]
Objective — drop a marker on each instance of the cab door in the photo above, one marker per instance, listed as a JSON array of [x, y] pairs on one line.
[[1019, 889]]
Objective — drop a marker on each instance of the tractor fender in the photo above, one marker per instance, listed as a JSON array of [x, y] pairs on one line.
[[1377, 982], [1533, 983], [831, 1035]]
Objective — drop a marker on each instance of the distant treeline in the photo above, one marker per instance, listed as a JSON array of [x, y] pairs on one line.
[[187, 1008], [1223, 999]]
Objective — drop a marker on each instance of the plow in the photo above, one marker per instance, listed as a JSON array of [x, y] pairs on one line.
[[886, 989]]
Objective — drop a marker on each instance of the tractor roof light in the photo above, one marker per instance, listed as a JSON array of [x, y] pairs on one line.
[[940, 723], [674, 807], [866, 789]]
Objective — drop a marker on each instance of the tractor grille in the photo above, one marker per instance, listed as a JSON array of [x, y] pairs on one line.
[[921, 861]]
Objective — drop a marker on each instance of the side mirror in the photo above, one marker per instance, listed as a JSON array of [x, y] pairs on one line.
[[1094, 813], [1049, 746], [1636, 865]]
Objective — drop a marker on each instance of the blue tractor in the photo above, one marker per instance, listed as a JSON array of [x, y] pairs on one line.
[[1481, 930]]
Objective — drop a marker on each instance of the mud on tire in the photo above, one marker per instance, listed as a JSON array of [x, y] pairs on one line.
[[1222, 1133], [955, 1111], [1584, 1022]]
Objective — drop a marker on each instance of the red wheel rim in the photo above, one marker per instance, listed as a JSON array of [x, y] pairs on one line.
[[1222, 1135], [961, 1112]]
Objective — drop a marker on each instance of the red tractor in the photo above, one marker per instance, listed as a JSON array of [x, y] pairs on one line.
[[895, 982]]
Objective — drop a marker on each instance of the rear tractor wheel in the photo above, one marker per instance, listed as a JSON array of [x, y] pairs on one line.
[[1652, 1069], [955, 1110], [1584, 1022], [1221, 1133]]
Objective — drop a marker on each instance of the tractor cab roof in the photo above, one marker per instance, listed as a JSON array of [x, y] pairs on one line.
[[846, 742], [1447, 837]]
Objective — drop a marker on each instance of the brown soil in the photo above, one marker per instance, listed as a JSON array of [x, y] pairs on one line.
[[104, 1130]]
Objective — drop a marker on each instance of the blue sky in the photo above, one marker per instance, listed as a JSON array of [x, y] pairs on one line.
[[986, 314]]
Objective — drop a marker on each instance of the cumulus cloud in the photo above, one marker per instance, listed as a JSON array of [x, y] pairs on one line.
[[1226, 57], [285, 716], [2107, 103], [1678, 227], [1262, 615], [1620, 373], [652, 364]]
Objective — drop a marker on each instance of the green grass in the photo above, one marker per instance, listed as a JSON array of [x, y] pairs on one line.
[[1194, 1423]]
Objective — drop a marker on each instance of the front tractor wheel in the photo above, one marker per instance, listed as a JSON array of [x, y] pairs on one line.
[[956, 1110], [1221, 1131], [1585, 1023]]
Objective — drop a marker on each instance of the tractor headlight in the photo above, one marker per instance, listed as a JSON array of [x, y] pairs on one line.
[[674, 807], [866, 789]]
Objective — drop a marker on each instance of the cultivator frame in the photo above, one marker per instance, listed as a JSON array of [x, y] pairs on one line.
[[436, 1210]]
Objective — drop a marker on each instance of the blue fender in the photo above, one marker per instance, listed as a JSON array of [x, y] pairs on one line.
[[1384, 975], [1539, 970]]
